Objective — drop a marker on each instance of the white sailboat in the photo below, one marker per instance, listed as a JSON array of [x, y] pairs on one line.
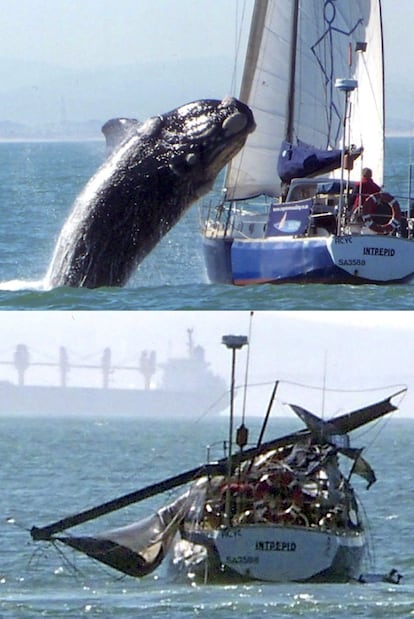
[[314, 79], [281, 510]]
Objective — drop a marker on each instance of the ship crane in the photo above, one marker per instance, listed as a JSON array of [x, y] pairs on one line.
[[22, 361]]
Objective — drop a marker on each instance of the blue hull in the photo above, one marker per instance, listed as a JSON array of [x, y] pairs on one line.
[[277, 261], [217, 255], [296, 260], [230, 261]]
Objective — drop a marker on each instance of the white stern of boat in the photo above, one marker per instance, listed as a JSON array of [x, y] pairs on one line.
[[378, 258], [278, 554]]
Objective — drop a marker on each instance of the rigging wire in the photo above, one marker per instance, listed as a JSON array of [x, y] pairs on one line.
[[293, 383], [76, 572], [239, 33], [370, 555], [376, 426], [71, 564], [240, 19]]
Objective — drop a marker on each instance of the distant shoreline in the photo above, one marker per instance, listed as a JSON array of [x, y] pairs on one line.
[[30, 139], [399, 134], [98, 138]]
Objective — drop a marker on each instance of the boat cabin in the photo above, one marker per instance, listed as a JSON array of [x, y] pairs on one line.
[[311, 208]]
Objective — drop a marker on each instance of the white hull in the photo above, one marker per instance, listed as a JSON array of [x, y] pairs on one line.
[[276, 553], [373, 257]]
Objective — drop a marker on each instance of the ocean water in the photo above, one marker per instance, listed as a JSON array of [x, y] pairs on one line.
[[38, 184], [55, 467]]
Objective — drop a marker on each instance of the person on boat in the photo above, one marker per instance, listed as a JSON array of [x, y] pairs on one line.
[[365, 188]]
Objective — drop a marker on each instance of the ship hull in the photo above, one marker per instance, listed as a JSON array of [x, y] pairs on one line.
[[82, 401], [356, 259], [275, 554]]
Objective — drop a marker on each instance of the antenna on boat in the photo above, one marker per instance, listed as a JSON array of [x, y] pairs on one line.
[[234, 343], [345, 85]]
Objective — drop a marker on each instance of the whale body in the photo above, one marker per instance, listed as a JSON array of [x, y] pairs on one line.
[[159, 168]]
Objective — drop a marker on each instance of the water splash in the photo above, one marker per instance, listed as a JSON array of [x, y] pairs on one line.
[[16, 285]]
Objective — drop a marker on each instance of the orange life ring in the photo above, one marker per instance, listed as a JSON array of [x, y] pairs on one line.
[[371, 208]]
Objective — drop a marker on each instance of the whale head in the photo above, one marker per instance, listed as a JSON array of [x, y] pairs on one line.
[[198, 139], [194, 141]]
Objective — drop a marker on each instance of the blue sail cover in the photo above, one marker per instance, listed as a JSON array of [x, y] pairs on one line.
[[305, 160]]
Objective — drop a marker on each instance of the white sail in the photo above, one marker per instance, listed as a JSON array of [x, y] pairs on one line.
[[296, 51], [367, 122]]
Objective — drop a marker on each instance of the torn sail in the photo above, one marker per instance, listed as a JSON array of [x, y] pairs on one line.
[[137, 549]]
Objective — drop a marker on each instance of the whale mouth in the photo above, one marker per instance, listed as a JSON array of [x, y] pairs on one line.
[[241, 119]]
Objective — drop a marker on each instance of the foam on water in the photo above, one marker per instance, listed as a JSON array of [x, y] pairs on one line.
[[15, 285]]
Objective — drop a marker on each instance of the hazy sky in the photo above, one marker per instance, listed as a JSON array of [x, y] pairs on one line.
[[77, 45], [350, 350], [79, 33]]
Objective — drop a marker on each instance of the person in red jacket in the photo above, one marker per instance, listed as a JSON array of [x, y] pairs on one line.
[[364, 189]]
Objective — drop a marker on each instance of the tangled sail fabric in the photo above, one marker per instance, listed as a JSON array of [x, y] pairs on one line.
[[137, 549]]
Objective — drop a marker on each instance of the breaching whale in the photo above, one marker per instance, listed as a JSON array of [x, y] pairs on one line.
[[146, 184]]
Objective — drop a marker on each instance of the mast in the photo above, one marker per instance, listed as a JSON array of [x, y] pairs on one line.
[[290, 112], [381, 29], [233, 342], [253, 47], [252, 55]]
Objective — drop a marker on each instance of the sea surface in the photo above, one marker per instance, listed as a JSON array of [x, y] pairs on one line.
[[38, 184], [54, 467]]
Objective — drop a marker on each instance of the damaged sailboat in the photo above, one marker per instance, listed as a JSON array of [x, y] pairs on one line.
[[281, 510]]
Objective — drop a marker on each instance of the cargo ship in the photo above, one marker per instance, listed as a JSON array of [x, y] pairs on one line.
[[186, 387]]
